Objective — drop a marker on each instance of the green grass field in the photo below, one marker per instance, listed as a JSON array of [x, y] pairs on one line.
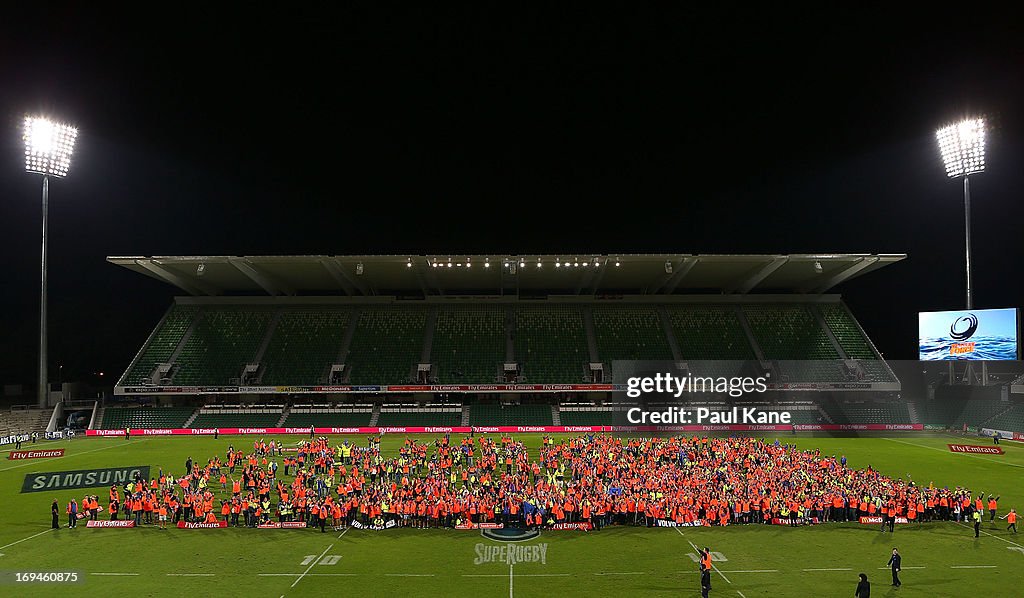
[[939, 559]]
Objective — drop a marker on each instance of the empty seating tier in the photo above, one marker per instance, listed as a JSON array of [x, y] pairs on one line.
[[387, 344], [510, 415], [586, 418], [709, 332], [329, 419], [789, 331], [225, 339], [419, 417], [1011, 420], [117, 418], [630, 332], [236, 419], [162, 344], [872, 413], [846, 331], [469, 344], [551, 343], [305, 344]]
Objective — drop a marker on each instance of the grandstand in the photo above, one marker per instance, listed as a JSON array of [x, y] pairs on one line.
[[470, 343], [379, 339]]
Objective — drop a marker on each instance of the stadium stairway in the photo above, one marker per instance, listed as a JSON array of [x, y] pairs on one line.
[[375, 417], [98, 419], [191, 418], [912, 410], [465, 416], [284, 414], [556, 419]]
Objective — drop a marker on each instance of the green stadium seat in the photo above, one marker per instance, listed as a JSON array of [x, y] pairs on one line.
[[305, 343], [387, 344], [469, 344], [630, 332], [225, 339], [161, 345], [117, 418], [510, 415], [550, 343]]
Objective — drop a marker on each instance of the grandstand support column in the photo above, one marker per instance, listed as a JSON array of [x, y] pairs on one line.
[[967, 237], [43, 383]]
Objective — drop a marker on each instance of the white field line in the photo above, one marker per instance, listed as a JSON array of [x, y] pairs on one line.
[[968, 527], [116, 574], [510, 580], [102, 448], [28, 538], [973, 566], [520, 575], [191, 574], [831, 569], [344, 532], [311, 565]]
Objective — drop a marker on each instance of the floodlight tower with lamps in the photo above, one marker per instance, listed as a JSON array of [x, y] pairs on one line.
[[48, 148], [962, 146]]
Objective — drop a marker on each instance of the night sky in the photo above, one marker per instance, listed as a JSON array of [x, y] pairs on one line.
[[430, 129]]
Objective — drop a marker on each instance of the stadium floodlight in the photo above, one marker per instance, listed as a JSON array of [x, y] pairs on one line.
[[962, 146], [48, 149]]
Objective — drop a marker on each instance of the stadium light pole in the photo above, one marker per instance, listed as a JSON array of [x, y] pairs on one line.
[[48, 148], [962, 146]]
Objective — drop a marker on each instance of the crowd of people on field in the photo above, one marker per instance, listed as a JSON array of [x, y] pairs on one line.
[[594, 479]]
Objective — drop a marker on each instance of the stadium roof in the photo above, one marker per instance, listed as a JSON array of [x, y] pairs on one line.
[[576, 274]]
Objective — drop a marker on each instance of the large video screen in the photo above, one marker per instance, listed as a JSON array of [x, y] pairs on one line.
[[979, 334]]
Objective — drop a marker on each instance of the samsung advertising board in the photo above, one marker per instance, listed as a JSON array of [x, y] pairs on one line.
[[976, 334]]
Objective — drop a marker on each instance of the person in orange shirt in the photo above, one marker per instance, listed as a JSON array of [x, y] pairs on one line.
[[1011, 518], [705, 572], [162, 515], [992, 506]]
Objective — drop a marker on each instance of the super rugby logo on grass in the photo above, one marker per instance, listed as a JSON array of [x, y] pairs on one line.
[[511, 554]]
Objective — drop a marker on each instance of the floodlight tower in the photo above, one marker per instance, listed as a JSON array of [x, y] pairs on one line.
[[48, 148], [962, 146]]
